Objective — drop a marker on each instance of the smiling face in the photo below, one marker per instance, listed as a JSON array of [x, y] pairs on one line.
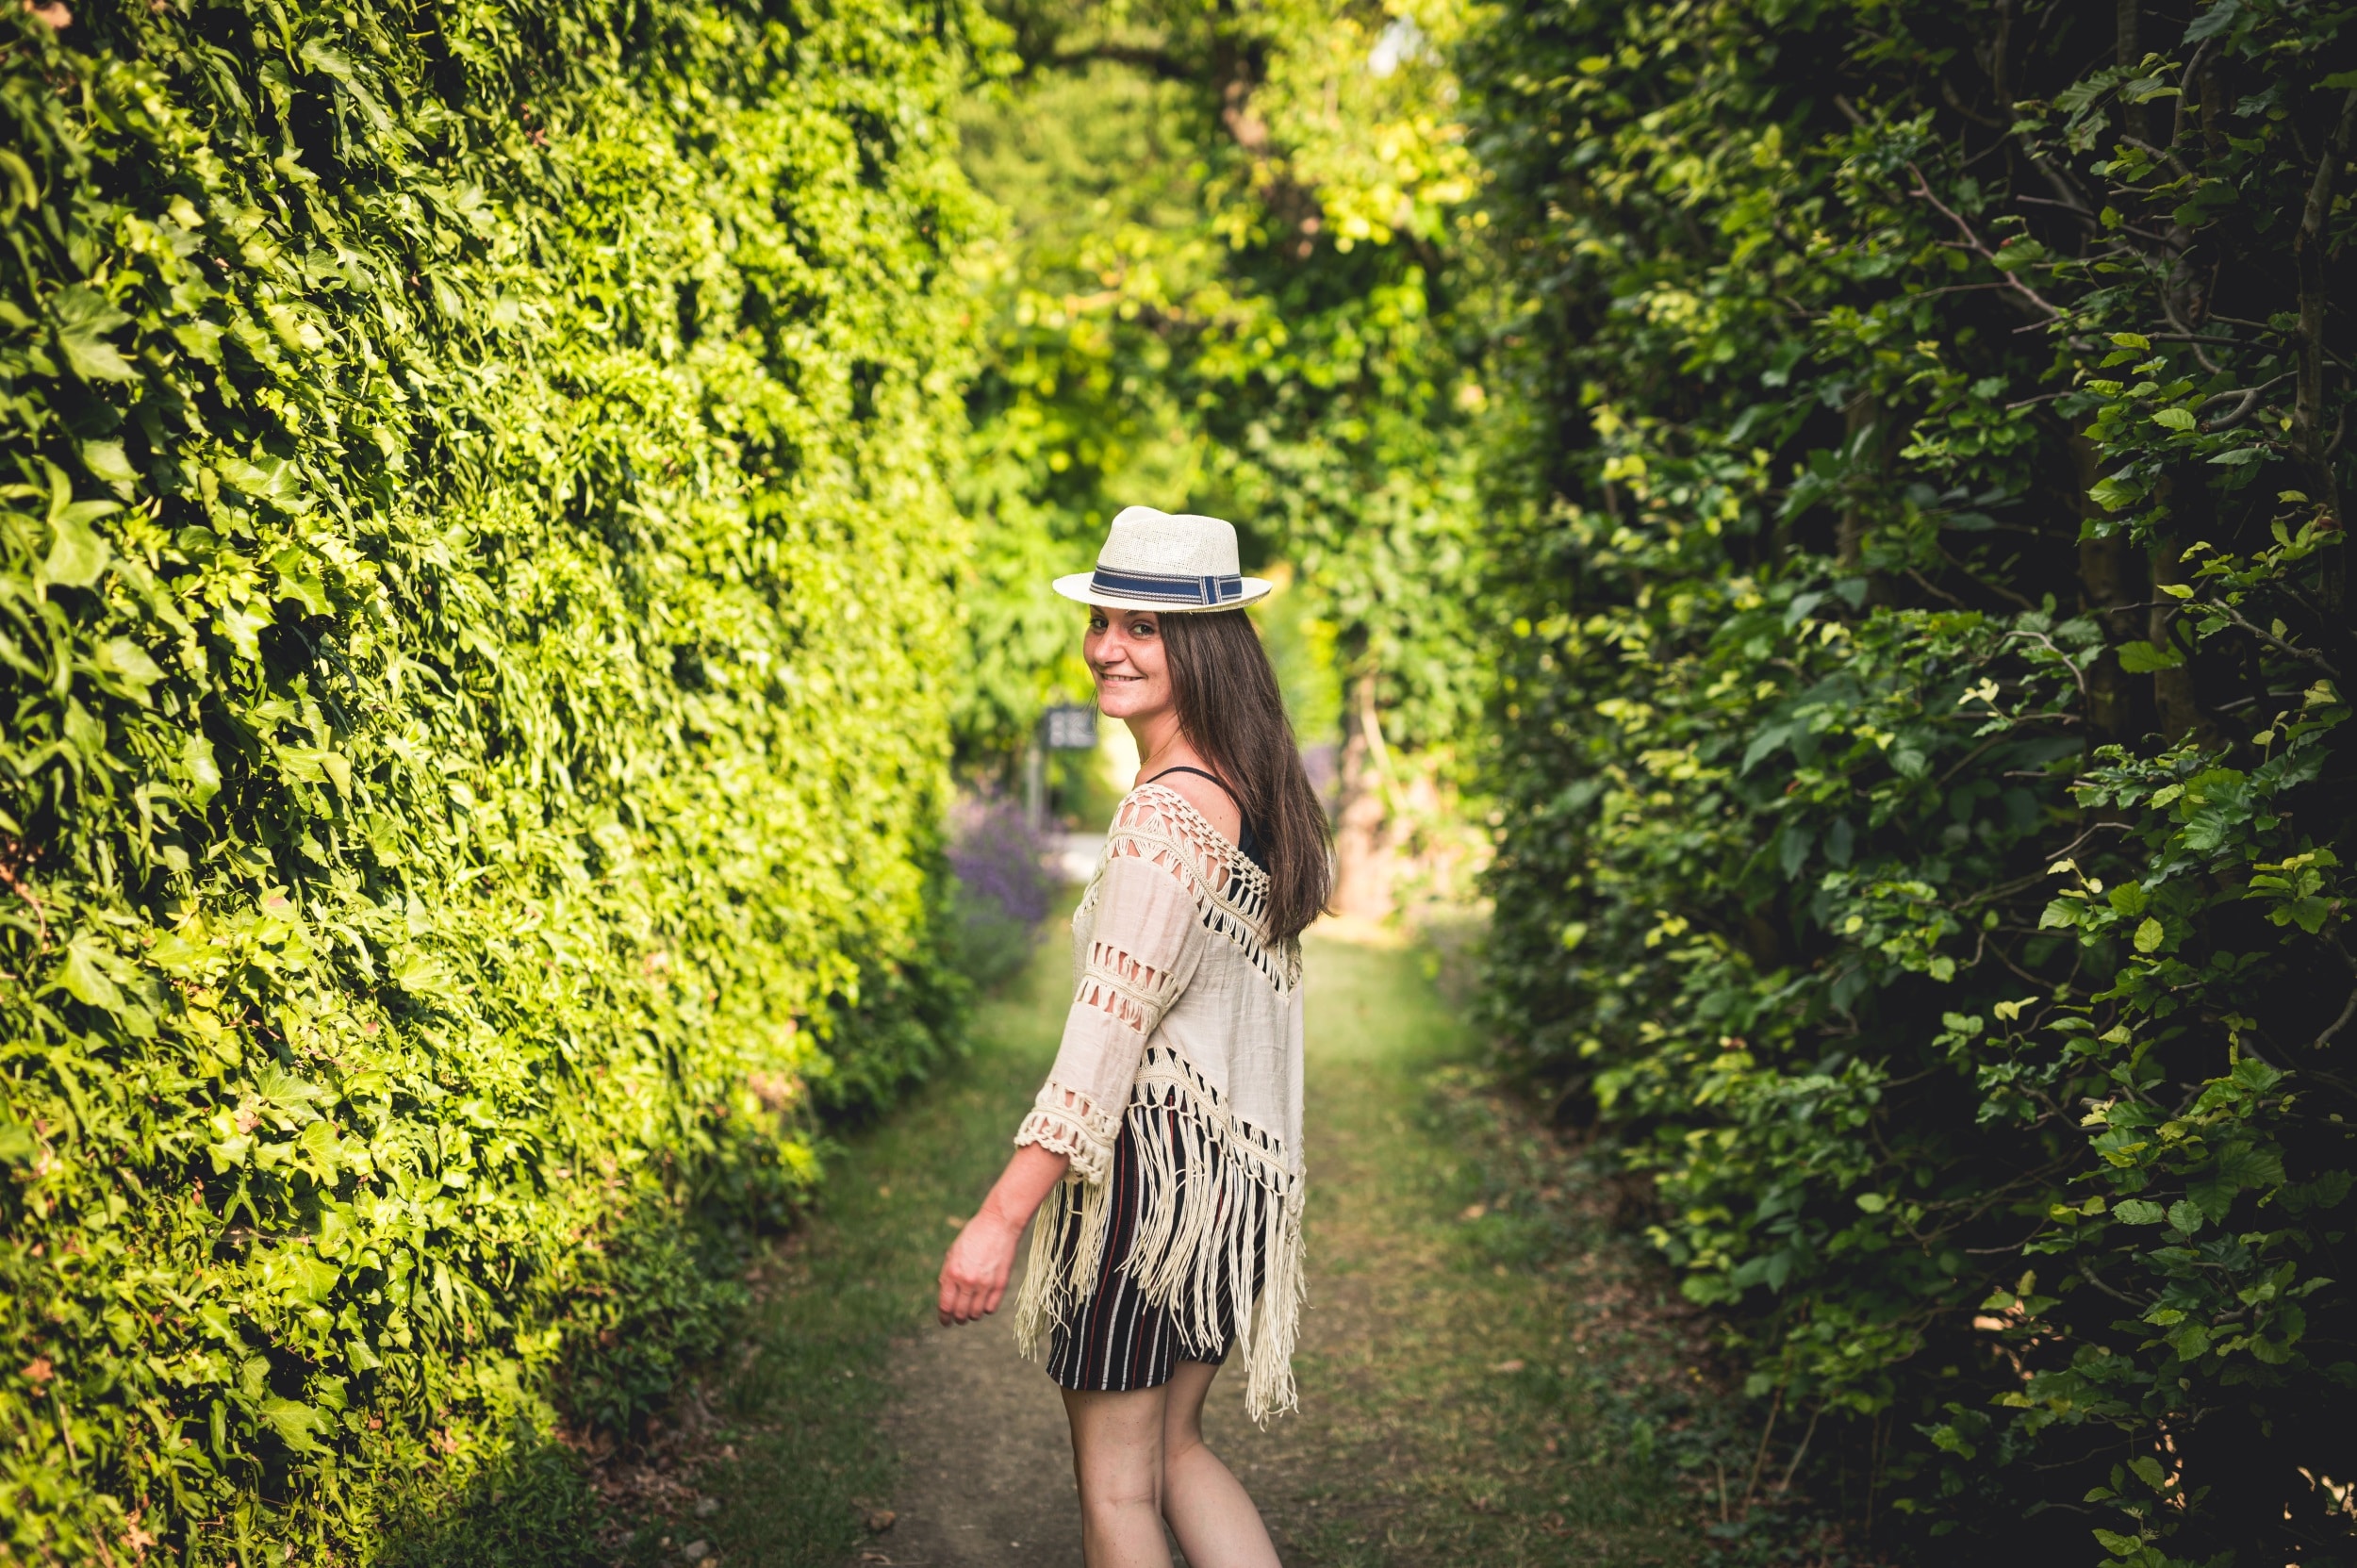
[[1125, 652]]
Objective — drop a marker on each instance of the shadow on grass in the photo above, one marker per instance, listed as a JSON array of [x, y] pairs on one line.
[[740, 1376], [532, 1507], [814, 1379]]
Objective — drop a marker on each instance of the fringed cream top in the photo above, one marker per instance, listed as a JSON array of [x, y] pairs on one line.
[[1182, 1003]]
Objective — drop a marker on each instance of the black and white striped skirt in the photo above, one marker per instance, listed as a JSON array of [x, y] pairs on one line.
[[1116, 1340]]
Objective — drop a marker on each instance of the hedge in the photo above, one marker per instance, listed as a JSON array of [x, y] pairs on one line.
[[1923, 749], [471, 605]]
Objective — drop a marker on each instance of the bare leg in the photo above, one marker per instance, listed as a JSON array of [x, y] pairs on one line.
[[1117, 1459], [1208, 1508]]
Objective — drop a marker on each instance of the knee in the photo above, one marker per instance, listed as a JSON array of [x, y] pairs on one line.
[[1112, 1496], [1180, 1452]]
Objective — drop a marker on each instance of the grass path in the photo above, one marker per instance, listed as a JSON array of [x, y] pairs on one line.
[[1475, 1374]]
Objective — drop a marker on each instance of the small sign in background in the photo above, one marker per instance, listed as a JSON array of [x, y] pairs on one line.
[[1071, 729]]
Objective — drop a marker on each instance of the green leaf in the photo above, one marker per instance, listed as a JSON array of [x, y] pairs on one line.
[[298, 1425], [2143, 658], [81, 315], [2149, 935], [2213, 22], [107, 463], [127, 661], [2137, 1211], [241, 625], [84, 979], [20, 189], [196, 759], [76, 556], [2115, 493], [419, 975]]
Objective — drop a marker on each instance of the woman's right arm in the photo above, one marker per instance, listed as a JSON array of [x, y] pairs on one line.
[[1142, 951], [974, 1275]]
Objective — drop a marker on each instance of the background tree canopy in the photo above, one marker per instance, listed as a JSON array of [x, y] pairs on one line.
[[1223, 285]]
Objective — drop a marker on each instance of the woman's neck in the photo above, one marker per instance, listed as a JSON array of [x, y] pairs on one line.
[[1161, 744]]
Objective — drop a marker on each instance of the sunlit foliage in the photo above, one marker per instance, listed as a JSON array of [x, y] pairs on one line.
[[473, 628]]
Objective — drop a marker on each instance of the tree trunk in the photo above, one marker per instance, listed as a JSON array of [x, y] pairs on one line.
[[2128, 50], [2318, 444], [2111, 584], [1364, 858]]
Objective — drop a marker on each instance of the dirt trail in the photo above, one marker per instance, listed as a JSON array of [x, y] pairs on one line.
[[985, 1464], [1409, 1442], [1469, 1367]]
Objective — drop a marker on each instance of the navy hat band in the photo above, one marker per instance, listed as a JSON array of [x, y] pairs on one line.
[[1169, 589]]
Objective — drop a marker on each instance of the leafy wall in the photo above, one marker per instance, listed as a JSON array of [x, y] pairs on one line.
[[1924, 731], [472, 635]]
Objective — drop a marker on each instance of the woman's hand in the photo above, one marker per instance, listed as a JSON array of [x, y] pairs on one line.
[[974, 1275]]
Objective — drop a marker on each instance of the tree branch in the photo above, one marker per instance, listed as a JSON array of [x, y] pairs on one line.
[[1973, 244], [2289, 649]]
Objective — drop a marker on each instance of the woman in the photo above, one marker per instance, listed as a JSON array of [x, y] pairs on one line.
[[1166, 1143]]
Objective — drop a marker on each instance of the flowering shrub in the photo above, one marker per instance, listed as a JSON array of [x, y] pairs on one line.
[[1003, 889]]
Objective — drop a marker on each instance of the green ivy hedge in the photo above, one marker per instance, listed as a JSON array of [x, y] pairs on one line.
[[1924, 732], [472, 634]]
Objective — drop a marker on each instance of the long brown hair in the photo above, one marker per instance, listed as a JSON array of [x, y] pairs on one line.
[[1231, 710]]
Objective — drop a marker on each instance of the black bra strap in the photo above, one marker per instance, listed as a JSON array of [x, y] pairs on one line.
[[1248, 839], [1182, 767]]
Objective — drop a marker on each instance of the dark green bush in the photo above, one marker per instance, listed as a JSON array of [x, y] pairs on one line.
[[473, 615], [1924, 744]]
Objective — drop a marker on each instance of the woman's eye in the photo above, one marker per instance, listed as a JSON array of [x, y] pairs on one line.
[[1141, 629]]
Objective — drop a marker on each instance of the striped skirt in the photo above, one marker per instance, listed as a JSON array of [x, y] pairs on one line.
[[1116, 1340]]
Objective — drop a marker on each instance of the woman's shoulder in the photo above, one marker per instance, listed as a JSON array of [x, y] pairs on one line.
[[1150, 799]]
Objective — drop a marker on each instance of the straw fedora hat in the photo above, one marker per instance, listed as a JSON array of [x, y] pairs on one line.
[[1166, 561]]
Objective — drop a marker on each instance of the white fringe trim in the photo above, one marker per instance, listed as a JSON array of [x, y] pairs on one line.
[[1239, 1193]]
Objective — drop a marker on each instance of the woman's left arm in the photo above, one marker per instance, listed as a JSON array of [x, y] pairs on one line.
[[974, 1275]]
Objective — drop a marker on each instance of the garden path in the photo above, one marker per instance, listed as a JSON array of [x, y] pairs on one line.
[[1464, 1386]]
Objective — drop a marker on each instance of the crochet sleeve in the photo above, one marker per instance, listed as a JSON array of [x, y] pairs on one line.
[[1147, 938]]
